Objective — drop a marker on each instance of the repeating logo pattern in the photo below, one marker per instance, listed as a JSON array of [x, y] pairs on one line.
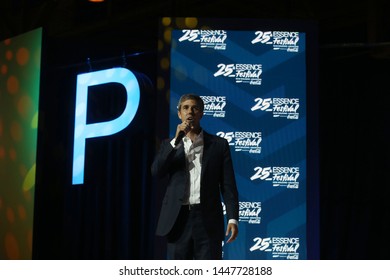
[[214, 39], [279, 176], [242, 73], [278, 247], [253, 84], [243, 141], [280, 107], [214, 106], [280, 40]]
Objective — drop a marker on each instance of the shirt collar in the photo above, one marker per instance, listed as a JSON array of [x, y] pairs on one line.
[[198, 140]]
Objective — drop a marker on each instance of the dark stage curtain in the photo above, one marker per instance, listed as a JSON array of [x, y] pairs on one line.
[[354, 153], [112, 215]]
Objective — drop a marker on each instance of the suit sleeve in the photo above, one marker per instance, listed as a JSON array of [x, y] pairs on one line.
[[163, 160], [228, 186]]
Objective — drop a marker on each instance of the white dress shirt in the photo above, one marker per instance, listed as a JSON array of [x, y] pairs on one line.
[[194, 155]]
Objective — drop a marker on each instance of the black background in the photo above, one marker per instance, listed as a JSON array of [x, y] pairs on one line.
[[354, 52]]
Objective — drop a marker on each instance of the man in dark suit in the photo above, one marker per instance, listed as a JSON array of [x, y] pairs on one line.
[[200, 170]]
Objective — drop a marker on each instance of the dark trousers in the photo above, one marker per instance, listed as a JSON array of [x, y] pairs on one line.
[[189, 240]]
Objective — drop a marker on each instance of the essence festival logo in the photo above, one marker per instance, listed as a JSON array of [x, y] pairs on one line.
[[280, 40], [285, 177], [214, 106], [280, 107], [249, 211], [243, 141], [279, 247], [214, 39], [84, 131], [241, 73]]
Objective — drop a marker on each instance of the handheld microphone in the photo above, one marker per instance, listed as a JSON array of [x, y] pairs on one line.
[[182, 133], [179, 137]]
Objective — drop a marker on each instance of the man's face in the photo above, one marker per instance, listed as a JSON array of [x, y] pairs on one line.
[[190, 111]]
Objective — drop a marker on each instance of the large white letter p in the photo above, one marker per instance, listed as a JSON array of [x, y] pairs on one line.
[[82, 130]]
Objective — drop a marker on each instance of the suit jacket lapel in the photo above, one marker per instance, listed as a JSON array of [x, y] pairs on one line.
[[207, 143]]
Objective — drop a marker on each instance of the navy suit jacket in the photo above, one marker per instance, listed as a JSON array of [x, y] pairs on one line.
[[217, 179]]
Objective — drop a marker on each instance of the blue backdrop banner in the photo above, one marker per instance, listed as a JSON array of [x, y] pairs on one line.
[[253, 84]]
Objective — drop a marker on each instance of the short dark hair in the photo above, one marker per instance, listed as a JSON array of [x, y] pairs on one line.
[[191, 96]]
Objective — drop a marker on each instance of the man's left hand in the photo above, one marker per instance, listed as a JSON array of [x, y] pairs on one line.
[[233, 230]]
